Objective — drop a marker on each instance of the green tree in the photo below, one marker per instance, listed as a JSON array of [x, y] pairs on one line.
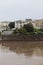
[[11, 25], [22, 31], [29, 27]]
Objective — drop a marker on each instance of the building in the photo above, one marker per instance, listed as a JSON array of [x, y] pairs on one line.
[[38, 24], [3, 25], [21, 23]]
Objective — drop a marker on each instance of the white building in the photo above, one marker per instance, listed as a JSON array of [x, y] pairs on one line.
[[7, 32], [3, 25], [21, 23]]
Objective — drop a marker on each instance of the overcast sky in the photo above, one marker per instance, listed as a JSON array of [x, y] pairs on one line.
[[21, 9]]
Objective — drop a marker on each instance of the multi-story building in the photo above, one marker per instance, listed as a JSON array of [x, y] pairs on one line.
[[21, 23]]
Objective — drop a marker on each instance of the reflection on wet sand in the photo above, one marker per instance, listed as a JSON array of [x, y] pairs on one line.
[[4, 48], [28, 48], [21, 53]]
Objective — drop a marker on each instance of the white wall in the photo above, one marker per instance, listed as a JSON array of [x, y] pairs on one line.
[[7, 32], [19, 25]]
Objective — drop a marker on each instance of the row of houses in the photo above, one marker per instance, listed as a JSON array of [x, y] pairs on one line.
[[37, 23], [20, 23]]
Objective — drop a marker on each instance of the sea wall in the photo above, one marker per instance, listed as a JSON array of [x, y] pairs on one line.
[[32, 37]]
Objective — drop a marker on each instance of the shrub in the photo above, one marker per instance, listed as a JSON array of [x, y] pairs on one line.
[[22, 31], [29, 27], [16, 31]]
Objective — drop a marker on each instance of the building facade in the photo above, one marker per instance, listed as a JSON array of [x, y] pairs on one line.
[[21, 23], [3, 25]]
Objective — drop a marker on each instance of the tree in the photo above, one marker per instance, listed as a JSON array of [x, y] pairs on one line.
[[29, 27], [11, 25]]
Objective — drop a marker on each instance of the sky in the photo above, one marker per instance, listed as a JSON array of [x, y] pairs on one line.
[[20, 9]]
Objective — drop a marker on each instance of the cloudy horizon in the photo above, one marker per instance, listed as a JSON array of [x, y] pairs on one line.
[[20, 9]]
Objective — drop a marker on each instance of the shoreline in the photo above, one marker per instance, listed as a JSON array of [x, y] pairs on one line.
[[20, 41]]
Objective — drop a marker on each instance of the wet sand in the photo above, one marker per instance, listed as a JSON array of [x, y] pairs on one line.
[[21, 53]]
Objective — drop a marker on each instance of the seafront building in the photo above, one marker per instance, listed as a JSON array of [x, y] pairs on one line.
[[38, 24], [21, 23]]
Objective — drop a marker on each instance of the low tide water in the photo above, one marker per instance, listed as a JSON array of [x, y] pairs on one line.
[[21, 53]]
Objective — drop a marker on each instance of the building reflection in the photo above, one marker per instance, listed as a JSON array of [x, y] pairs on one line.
[[27, 48]]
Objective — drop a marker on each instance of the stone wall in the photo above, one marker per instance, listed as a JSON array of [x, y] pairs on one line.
[[34, 37]]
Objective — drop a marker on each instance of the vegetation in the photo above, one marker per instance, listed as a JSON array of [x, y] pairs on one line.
[[25, 30], [11, 25], [20, 31], [0, 33], [16, 31], [29, 27]]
